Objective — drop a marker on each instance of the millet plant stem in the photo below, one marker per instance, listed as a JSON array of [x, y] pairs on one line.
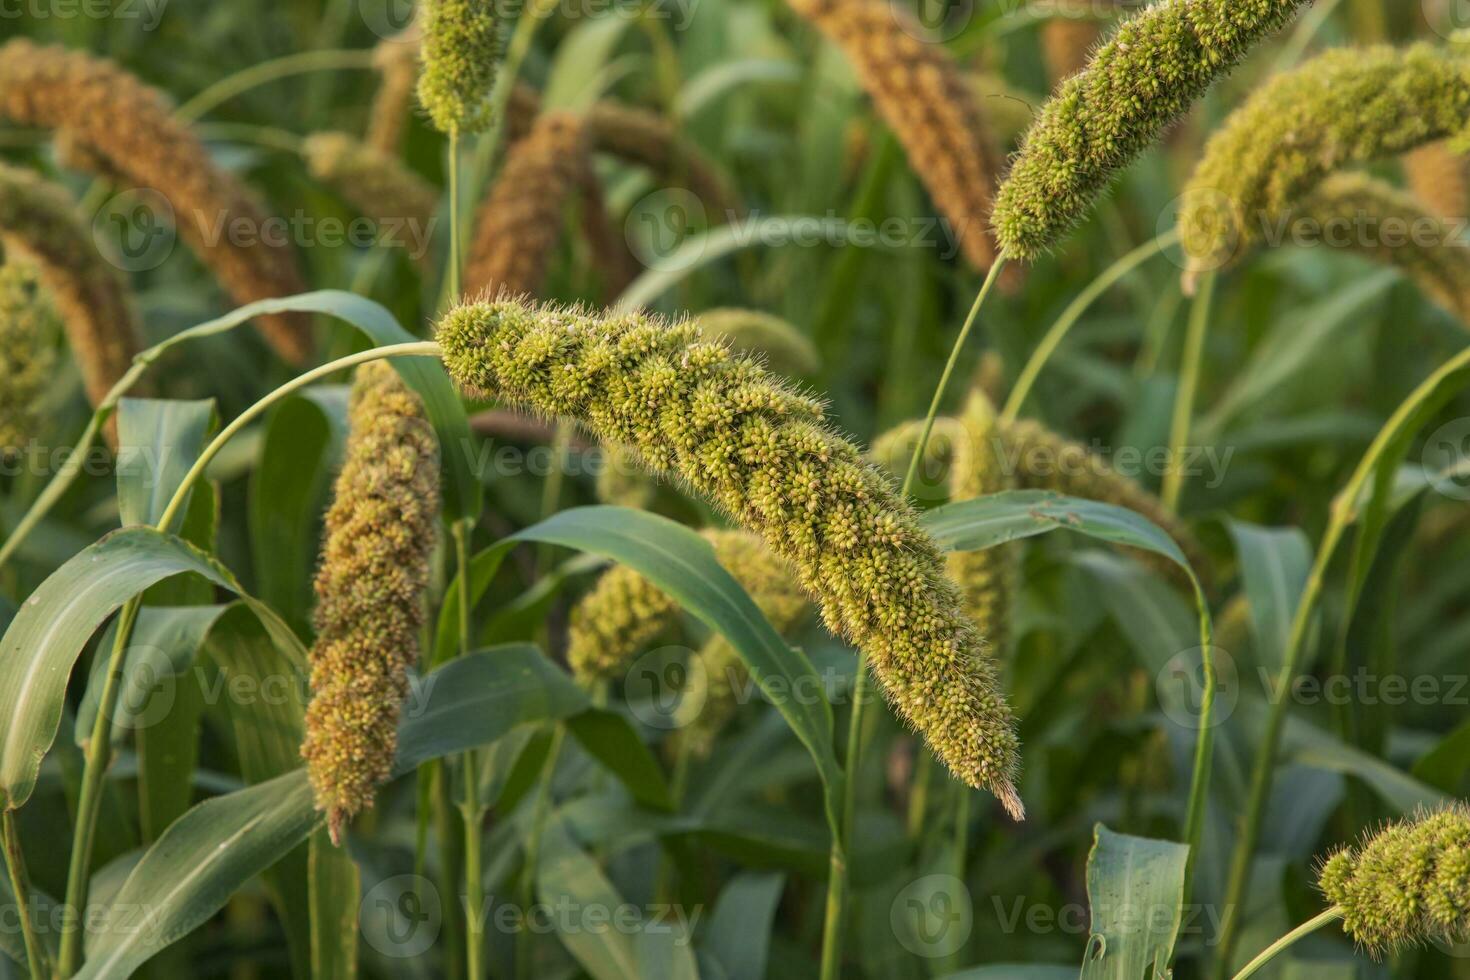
[[1305, 929], [20, 890], [1189, 370], [98, 751], [1343, 511], [836, 913], [1080, 305]]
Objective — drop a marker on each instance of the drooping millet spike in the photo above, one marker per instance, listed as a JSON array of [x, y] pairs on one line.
[[1343, 107], [1141, 80], [463, 43], [127, 129], [1405, 885], [396, 60], [379, 540], [29, 325], [987, 577], [920, 91], [1439, 175], [742, 438], [519, 223], [1378, 221], [37, 220]]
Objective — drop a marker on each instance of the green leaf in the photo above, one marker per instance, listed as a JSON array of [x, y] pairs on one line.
[[740, 928], [475, 699], [1135, 888], [164, 643], [47, 635], [1444, 766], [195, 867], [1015, 971], [609, 739], [287, 489], [683, 565], [157, 443], [1274, 563], [973, 525], [219, 845]]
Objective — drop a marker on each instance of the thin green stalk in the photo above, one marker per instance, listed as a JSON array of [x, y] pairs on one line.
[[99, 748], [533, 850], [834, 925], [1191, 360], [1343, 512], [472, 809], [15, 865], [1204, 745], [269, 71], [954, 357], [919, 790], [1074, 311], [454, 259], [271, 137], [1305, 929]]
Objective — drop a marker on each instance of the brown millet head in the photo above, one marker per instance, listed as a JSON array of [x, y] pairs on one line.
[[398, 200], [396, 59], [1068, 40], [920, 91], [642, 138], [745, 440], [1397, 231], [124, 124], [520, 222], [376, 550], [37, 220], [1439, 175]]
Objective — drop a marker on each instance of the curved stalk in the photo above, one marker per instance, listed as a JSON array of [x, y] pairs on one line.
[[269, 71], [836, 911], [15, 866], [1343, 511], [1305, 929], [1080, 305], [1191, 360], [99, 748]]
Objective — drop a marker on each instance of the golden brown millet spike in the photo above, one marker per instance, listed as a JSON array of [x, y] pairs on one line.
[[398, 200], [37, 220], [520, 221], [645, 139], [376, 550], [1405, 885], [923, 95], [396, 59], [745, 440], [126, 124], [988, 577], [29, 326], [1042, 460], [1440, 177], [607, 245]]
